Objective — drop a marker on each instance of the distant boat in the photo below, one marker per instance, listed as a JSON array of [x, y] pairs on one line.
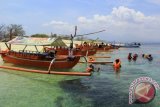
[[127, 45]]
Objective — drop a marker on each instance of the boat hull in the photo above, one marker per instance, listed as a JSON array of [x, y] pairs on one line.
[[62, 64], [91, 52]]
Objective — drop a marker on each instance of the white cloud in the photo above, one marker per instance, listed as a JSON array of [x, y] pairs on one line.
[[122, 24], [59, 27], [53, 22], [84, 20]]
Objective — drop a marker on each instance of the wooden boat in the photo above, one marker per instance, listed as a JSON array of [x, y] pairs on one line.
[[39, 59], [89, 49], [81, 50], [65, 51], [42, 59], [36, 58]]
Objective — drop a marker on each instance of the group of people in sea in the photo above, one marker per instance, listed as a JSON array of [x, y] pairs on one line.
[[135, 56], [117, 62]]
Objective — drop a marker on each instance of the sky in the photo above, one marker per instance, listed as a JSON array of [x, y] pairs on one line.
[[123, 20]]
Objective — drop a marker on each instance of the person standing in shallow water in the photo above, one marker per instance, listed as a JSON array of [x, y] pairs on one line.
[[117, 64], [135, 57], [129, 56]]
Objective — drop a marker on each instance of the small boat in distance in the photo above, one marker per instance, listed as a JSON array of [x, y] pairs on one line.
[[127, 45]]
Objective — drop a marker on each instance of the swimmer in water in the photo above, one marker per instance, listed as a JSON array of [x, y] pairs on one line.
[[129, 56], [117, 64]]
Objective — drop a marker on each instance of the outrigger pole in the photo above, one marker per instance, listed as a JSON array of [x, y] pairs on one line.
[[51, 72]]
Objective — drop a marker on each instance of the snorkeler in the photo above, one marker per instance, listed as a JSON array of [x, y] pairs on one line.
[[150, 58]]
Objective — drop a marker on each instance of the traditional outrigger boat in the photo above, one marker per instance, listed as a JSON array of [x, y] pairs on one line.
[[36, 58], [48, 58], [65, 51], [90, 49], [83, 50]]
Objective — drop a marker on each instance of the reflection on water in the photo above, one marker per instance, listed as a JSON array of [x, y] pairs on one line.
[[117, 74]]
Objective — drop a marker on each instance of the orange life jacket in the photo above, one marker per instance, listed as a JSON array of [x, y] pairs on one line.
[[117, 65]]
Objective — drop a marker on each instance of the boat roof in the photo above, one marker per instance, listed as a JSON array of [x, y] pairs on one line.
[[33, 41]]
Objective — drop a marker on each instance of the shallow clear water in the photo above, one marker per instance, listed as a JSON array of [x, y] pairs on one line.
[[103, 89]]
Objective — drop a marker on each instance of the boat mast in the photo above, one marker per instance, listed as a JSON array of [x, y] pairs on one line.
[[10, 37], [71, 45]]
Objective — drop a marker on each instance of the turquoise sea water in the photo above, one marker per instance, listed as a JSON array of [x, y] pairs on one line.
[[103, 89]]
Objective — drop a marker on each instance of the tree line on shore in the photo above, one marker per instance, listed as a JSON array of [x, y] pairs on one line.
[[8, 32]]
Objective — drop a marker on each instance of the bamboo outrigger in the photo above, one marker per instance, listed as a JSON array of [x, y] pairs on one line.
[[48, 72]]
